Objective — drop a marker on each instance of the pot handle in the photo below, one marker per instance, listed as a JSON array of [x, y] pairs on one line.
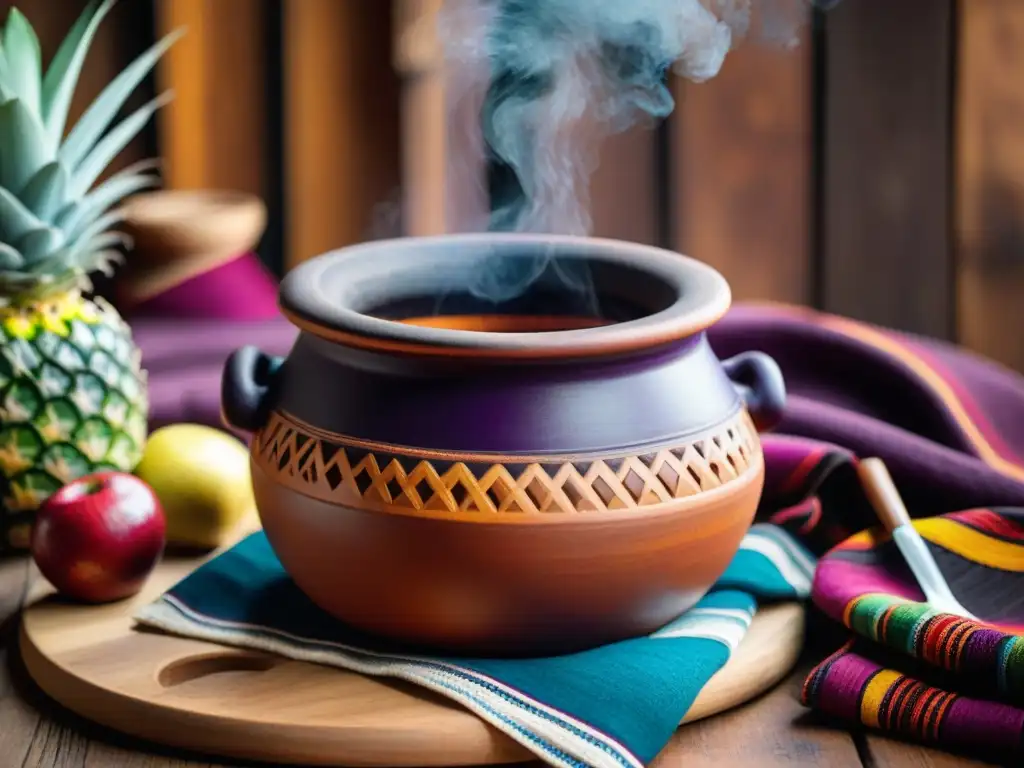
[[245, 388], [758, 380]]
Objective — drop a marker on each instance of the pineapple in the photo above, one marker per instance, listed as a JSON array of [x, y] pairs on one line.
[[73, 397]]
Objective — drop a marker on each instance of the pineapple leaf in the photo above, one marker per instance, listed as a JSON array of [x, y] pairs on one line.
[[46, 192], [103, 261], [21, 49], [61, 77], [105, 241], [47, 270], [16, 220], [6, 94], [77, 215], [40, 243], [103, 110], [10, 258], [111, 144], [6, 87], [94, 253], [103, 223], [23, 150], [5, 72]]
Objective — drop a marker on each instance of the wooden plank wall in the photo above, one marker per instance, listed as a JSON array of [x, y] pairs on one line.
[[341, 137], [741, 153], [989, 217], [217, 71], [886, 105], [418, 61], [876, 171], [266, 97]]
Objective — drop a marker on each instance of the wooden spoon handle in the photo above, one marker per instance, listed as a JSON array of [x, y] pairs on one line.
[[881, 492]]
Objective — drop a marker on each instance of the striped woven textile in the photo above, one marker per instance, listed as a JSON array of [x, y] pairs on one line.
[[950, 426], [913, 670]]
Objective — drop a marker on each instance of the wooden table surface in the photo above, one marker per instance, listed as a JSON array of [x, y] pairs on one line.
[[774, 730]]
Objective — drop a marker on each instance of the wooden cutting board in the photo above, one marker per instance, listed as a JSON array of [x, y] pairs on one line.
[[243, 704]]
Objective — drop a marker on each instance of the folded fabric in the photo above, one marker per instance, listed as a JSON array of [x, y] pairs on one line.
[[950, 427], [861, 684], [185, 357], [614, 706], [948, 424], [241, 288], [916, 671]]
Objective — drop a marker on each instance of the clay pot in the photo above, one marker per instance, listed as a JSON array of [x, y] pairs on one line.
[[562, 469]]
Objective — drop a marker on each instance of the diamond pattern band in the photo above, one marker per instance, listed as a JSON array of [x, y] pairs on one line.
[[356, 473]]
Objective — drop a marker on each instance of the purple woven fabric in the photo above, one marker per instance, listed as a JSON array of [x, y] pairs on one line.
[[239, 289], [184, 359], [929, 409]]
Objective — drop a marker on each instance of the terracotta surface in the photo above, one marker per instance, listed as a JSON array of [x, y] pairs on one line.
[[508, 584], [519, 488]]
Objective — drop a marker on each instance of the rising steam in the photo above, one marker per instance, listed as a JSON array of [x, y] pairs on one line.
[[562, 75]]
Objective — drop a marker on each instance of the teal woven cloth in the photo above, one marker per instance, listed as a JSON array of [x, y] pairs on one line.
[[613, 706]]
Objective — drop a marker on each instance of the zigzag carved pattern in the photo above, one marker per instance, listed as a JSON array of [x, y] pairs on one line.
[[353, 475]]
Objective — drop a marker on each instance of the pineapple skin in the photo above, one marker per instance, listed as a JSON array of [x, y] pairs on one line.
[[73, 401]]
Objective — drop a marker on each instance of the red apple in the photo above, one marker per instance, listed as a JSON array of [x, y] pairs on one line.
[[98, 538]]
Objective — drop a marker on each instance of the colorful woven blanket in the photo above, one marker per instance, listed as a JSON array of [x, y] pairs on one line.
[[950, 426]]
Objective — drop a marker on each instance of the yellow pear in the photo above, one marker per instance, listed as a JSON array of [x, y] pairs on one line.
[[201, 476]]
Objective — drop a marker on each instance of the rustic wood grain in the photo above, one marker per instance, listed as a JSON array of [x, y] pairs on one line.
[[33, 732], [342, 146], [887, 83], [885, 752], [54, 746], [624, 190], [774, 730], [213, 134], [741, 154], [425, 123], [102, 755], [424, 150], [18, 721], [990, 179]]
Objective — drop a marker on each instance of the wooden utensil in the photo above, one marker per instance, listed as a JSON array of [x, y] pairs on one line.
[[885, 498]]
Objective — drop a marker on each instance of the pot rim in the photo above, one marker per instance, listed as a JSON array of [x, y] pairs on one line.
[[321, 296]]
